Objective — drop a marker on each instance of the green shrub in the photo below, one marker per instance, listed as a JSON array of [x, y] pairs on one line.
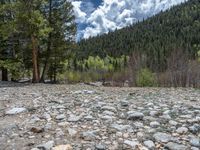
[[145, 78]]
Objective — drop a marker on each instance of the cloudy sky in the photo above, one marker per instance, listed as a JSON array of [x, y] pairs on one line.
[[101, 16]]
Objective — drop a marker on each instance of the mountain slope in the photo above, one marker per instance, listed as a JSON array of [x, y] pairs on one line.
[[176, 28]]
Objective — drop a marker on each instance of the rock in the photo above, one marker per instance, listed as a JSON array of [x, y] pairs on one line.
[[88, 92], [175, 146], [46, 116], [182, 130], [154, 113], [73, 118], [149, 144], [34, 119], [173, 123], [135, 115], [107, 118], [121, 127], [166, 117], [72, 132], [162, 137], [59, 132], [124, 103], [37, 130], [61, 117], [154, 124], [15, 111], [194, 148], [63, 147], [100, 147], [46, 146], [109, 108], [166, 112], [195, 128], [132, 144], [195, 142], [63, 124], [89, 118], [106, 112], [88, 135]]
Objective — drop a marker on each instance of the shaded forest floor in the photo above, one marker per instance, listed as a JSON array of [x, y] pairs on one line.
[[84, 117]]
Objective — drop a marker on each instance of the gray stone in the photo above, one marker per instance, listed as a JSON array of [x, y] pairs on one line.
[[166, 117], [149, 144], [124, 103], [194, 148], [46, 146], [89, 118], [182, 130], [195, 128], [175, 146], [35, 149], [72, 132], [109, 108], [195, 142], [15, 111], [173, 123], [154, 113], [162, 137], [135, 115], [88, 135], [107, 117], [121, 127], [106, 112], [154, 124], [100, 147], [132, 144], [74, 118], [61, 117]]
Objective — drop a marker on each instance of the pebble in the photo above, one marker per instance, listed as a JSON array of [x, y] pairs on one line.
[[149, 144], [182, 130], [135, 115], [15, 111], [132, 144], [162, 137], [46, 146], [175, 146], [154, 124]]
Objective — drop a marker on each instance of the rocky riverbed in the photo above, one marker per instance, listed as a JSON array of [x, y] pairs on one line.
[[83, 117]]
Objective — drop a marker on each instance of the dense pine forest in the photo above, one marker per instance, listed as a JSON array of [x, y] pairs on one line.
[[173, 32], [39, 43], [35, 38], [157, 36]]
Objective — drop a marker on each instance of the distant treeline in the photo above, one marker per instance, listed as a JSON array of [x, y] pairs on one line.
[[156, 37]]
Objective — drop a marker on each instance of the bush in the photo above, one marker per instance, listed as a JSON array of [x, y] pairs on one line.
[[145, 78]]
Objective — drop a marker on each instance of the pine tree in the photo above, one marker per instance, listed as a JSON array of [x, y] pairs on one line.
[[62, 21]]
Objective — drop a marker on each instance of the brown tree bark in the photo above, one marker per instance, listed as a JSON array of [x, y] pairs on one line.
[[36, 77], [4, 74], [42, 79]]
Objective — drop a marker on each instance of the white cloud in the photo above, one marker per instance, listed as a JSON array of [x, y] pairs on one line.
[[116, 14], [80, 15]]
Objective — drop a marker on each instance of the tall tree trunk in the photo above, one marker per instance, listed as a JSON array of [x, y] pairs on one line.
[[48, 45], [46, 59], [36, 77], [4, 74]]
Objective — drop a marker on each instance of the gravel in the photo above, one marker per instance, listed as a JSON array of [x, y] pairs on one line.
[[81, 116]]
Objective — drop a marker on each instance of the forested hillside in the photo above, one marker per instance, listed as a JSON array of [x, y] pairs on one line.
[[157, 37]]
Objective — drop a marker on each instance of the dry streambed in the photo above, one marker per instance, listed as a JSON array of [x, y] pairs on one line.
[[82, 117]]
